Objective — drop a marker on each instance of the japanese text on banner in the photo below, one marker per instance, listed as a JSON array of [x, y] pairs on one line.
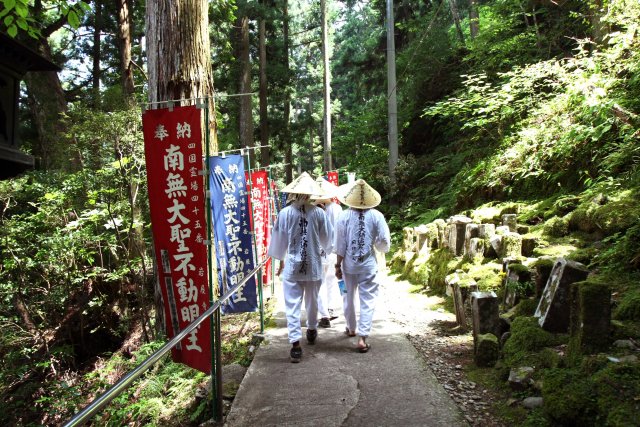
[[173, 151], [234, 247]]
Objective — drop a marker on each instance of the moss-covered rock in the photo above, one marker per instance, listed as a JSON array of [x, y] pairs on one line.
[[568, 397], [511, 245], [617, 388], [623, 330], [556, 227], [438, 268], [583, 255], [590, 317], [526, 337], [487, 350], [526, 307]]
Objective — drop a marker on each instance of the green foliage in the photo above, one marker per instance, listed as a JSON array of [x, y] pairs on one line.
[[629, 307], [17, 15], [526, 307], [72, 255], [601, 394], [568, 397], [438, 267], [556, 227], [527, 337]]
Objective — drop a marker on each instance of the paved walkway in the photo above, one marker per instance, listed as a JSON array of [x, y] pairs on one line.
[[334, 385]]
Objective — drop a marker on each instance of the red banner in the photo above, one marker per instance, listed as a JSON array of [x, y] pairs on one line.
[[173, 150], [260, 217], [332, 177]]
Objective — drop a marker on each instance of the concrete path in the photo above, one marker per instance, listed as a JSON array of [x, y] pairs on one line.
[[334, 385]]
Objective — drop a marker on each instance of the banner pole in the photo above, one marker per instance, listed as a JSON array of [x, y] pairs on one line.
[[255, 243], [216, 370], [272, 209]]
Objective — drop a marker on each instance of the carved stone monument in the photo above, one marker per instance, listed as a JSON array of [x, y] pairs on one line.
[[485, 314], [553, 309]]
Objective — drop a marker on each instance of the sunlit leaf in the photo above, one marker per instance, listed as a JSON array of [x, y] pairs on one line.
[[74, 21]]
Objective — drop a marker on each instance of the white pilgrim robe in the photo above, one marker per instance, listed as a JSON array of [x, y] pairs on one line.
[[299, 235], [358, 233]]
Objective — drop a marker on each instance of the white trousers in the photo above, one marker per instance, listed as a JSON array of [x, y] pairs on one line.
[[328, 293], [365, 285], [294, 291]]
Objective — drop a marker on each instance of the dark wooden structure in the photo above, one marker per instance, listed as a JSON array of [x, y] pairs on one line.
[[15, 61]]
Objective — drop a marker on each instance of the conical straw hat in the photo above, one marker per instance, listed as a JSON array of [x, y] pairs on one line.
[[303, 184], [359, 195], [329, 189]]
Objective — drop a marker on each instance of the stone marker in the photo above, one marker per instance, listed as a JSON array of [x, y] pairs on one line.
[[407, 239], [476, 249], [440, 225], [543, 269], [422, 239], [528, 245], [461, 299], [495, 242], [511, 245], [553, 308], [487, 351], [485, 314], [509, 220], [503, 229], [590, 323], [520, 378], [470, 232], [457, 229], [515, 273], [486, 230]]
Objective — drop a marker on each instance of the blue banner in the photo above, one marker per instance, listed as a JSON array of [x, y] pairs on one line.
[[232, 231]]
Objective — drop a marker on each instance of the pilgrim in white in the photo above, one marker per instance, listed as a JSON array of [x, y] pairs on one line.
[[329, 296], [301, 231], [359, 231]]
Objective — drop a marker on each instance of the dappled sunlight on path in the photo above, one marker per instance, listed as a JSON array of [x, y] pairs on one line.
[[334, 385]]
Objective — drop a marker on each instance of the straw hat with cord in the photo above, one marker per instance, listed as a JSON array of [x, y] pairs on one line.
[[330, 191], [359, 195], [303, 184]]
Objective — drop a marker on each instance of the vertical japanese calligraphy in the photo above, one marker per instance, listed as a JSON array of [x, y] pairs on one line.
[[260, 217], [332, 177], [173, 151], [230, 213]]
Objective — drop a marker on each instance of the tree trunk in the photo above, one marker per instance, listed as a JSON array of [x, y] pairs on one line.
[[456, 19], [178, 51], [595, 16], [392, 102], [288, 156], [328, 164], [245, 119], [179, 64], [47, 105], [474, 19], [124, 45], [311, 139], [264, 117], [95, 72]]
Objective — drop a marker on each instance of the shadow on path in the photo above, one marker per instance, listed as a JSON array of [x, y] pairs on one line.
[[334, 385]]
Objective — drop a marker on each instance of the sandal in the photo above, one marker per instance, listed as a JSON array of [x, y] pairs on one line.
[[348, 333], [364, 349]]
